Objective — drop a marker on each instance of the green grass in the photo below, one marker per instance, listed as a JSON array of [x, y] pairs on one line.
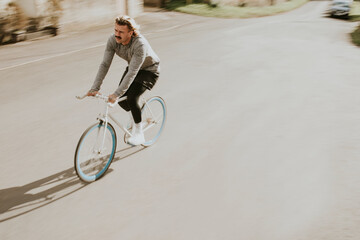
[[234, 12], [355, 16]]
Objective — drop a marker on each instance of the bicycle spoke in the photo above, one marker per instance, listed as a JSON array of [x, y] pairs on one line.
[[95, 152], [154, 113]]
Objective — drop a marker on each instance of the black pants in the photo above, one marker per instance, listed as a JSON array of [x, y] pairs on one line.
[[136, 89]]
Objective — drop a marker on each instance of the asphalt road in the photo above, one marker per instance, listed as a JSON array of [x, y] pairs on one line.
[[261, 142]]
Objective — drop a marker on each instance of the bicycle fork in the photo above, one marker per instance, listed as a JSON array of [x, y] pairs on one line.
[[103, 120]]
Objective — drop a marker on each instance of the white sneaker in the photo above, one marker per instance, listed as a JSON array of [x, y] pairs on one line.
[[137, 137]]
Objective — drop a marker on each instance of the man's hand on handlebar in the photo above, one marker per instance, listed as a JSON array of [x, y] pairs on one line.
[[112, 98], [92, 93]]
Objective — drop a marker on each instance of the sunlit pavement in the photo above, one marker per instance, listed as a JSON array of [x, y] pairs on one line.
[[261, 141]]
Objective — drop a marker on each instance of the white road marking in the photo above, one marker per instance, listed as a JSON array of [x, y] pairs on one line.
[[79, 50], [53, 56]]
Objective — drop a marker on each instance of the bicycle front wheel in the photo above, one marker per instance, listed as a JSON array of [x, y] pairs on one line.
[[95, 152], [153, 116]]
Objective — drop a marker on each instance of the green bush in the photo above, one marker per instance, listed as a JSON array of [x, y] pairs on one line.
[[355, 35]]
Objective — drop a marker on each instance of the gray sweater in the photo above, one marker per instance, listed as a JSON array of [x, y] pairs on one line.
[[139, 55]]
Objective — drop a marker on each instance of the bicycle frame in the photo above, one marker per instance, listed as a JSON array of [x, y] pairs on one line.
[[105, 115]]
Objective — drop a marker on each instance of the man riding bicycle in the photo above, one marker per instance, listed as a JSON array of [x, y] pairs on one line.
[[140, 75]]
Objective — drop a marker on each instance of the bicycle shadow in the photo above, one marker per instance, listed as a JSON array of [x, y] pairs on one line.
[[17, 201]]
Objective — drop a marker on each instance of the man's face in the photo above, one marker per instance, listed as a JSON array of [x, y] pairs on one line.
[[122, 34]]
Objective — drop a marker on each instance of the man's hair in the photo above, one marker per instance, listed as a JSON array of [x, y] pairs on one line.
[[128, 21]]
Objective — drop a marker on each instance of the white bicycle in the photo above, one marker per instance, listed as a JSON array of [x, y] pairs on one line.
[[97, 145]]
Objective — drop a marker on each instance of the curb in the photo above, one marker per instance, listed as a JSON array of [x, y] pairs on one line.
[[22, 35]]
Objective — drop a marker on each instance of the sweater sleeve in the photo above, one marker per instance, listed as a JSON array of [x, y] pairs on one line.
[[105, 65], [134, 66]]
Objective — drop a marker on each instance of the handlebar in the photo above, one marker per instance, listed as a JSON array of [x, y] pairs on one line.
[[102, 97]]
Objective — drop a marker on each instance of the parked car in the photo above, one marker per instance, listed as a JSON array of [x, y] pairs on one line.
[[340, 8]]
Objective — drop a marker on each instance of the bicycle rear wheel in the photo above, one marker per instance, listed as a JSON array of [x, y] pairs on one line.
[[95, 152], [153, 117]]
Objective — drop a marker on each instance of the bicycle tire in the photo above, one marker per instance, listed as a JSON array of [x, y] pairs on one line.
[[90, 161], [153, 127]]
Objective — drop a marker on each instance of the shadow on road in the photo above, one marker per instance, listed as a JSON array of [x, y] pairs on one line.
[[17, 201]]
